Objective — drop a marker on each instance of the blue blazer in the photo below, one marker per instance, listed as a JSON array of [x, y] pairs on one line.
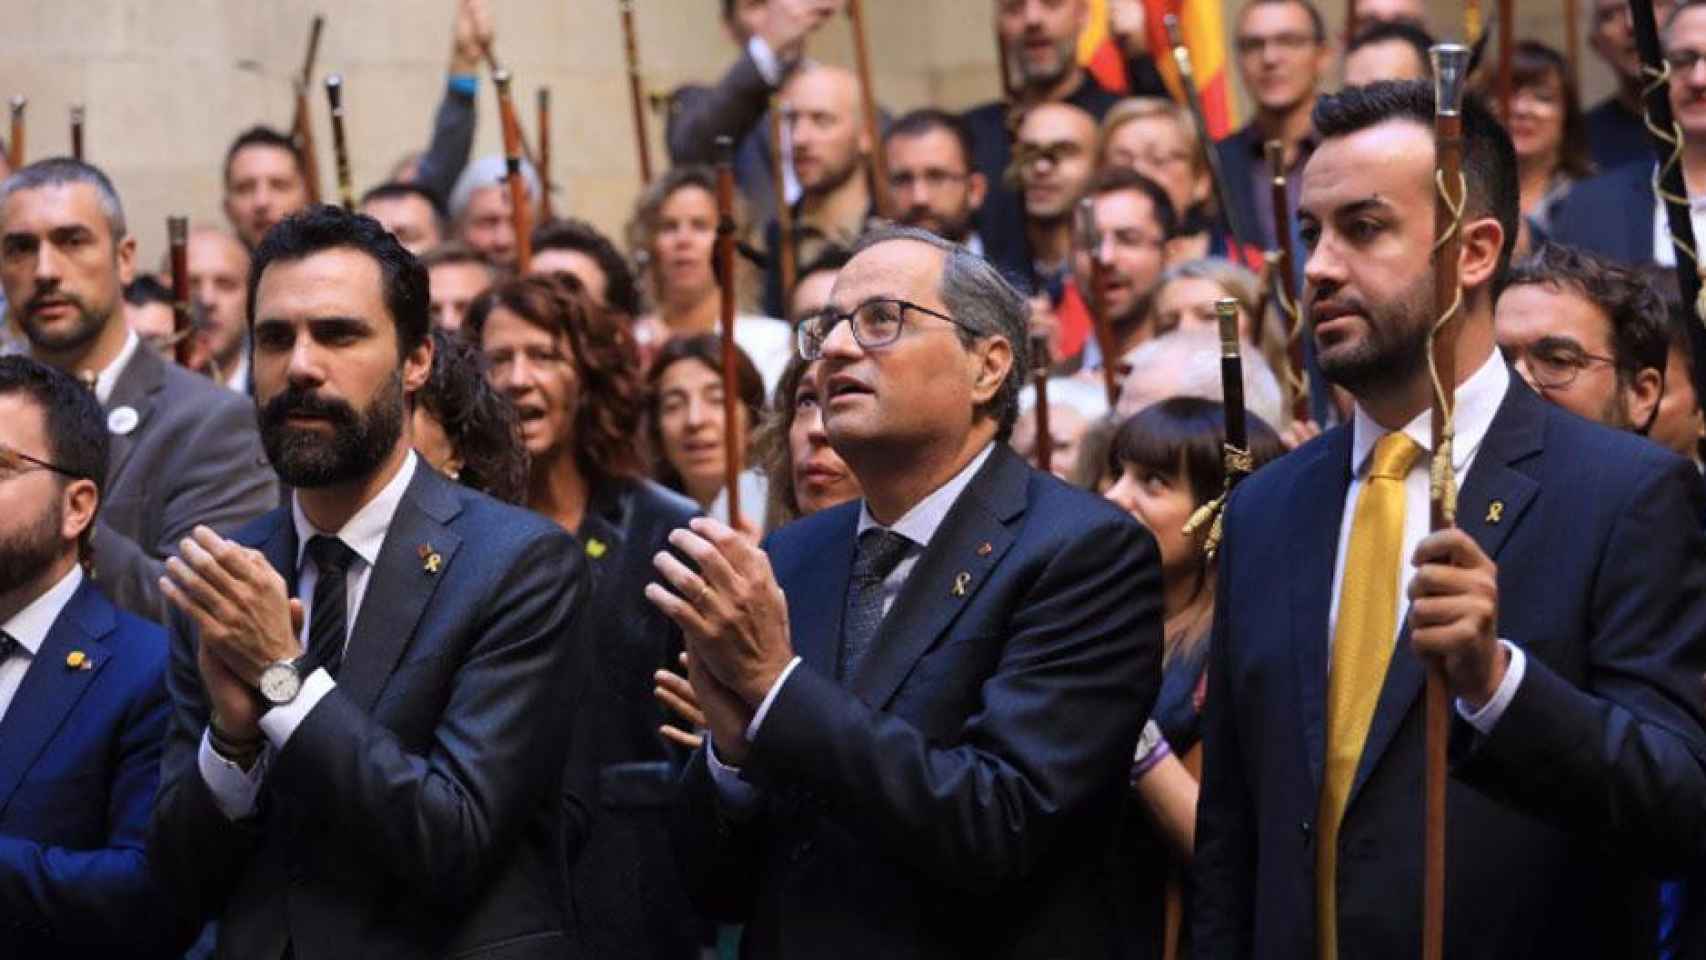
[[79, 763], [956, 798], [1611, 215], [1590, 786]]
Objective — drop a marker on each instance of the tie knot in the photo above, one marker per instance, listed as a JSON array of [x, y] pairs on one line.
[[331, 556], [880, 551], [8, 645], [1394, 455]]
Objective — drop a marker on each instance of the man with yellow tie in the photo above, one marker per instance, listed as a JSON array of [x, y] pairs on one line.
[[1568, 610]]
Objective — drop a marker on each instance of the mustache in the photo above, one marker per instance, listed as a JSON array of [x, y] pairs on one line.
[[41, 299], [295, 401]]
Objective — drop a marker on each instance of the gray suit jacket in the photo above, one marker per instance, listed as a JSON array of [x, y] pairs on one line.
[[735, 107], [194, 457]]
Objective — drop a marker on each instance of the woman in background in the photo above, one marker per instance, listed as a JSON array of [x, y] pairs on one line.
[[687, 429], [464, 427]]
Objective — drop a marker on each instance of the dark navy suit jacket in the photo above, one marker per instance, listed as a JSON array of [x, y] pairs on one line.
[[1611, 215], [79, 763], [1589, 787], [957, 797]]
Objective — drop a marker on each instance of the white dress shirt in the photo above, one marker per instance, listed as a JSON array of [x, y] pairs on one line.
[[108, 377], [1478, 399], [238, 381], [918, 525], [1664, 252], [233, 788], [30, 627]]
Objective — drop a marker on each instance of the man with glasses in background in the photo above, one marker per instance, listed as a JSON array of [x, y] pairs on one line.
[[1134, 221], [878, 779], [1615, 133], [931, 180]]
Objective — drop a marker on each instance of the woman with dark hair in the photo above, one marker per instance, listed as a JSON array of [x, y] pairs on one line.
[[1549, 132], [687, 429], [464, 427], [803, 471], [1167, 461], [570, 368]]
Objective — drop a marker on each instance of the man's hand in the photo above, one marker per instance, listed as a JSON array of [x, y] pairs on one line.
[[472, 37], [1299, 432], [236, 709], [726, 716], [734, 615], [237, 600], [787, 23], [1454, 614]]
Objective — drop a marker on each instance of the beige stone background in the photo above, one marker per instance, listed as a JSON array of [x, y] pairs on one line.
[[168, 83]]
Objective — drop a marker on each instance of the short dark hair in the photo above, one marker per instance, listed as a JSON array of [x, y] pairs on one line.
[[1317, 23], [1394, 31], [147, 289], [620, 290], [929, 119], [480, 422], [455, 251], [402, 279], [76, 428], [262, 135], [1640, 325], [705, 348], [399, 189], [832, 258], [60, 171], [1489, 160], [1116, 179]]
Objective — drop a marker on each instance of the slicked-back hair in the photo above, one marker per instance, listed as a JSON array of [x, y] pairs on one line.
[[983, 301], [147, 289], [620, 290], [1489, 160], [399, 189], [76, 428], [1410, 34], [261, 135], [1640, 325], [479, 421], [402, 279], [62, 171], [925, 120], [1116, 179]]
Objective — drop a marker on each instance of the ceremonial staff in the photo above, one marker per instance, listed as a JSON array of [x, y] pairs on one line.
[[636, 92], [1284, 282], [733, 438], [1235, 450], [785, 253], [520, 212], [183, 329], [1450, 64], [302, 124], [879, 162], [1205, 141], [1039, 369], [77, 131], [16, 159], [1090, 238], [1573, 42], [340, 146], [1667, 142], [1507, 40], [545, 154], [1009, 89]]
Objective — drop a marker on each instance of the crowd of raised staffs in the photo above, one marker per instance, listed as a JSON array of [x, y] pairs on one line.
[[1037, 531]]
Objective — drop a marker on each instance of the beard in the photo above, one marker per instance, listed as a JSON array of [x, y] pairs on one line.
[[834, 175], [1395, 348], [359, 443], [27, 554], [956, 229], [1047, 75], [83, 331]]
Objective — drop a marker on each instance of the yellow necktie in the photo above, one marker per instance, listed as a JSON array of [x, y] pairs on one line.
[[1362, 647]]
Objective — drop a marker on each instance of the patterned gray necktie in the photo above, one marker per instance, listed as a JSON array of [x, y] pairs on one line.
[[879, 552]]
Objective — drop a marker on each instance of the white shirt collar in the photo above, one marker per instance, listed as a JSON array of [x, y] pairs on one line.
[[107, 378], [974, 243], [239, 378], [920, 523], [365, 531], [1478, 399], [30, 625]]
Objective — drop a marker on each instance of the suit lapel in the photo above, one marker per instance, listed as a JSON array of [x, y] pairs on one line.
[[400, 585], [136, 387], [51, 687], [952, 570], [821, 589], [1319, 497]]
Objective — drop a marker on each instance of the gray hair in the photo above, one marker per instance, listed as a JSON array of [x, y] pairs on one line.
[[985, 305], [1192, 358], [60, 171], [488, 171]]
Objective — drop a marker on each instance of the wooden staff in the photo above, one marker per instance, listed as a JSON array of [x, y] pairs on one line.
[[1350, 21], [1235, 448], [521, 213], [786, 253], [1667, 143], [868, 93], [183, 329], [733, 435], [1450, 64], [1472, 21], [1039, 371], [1507, 42], [636, 91], [1573, 42], [545, 154], [1009, 89], [1090, 238], [1284, 282], [1205, 141], [340, 146], [302, 124], [16, 159], [77, 131]]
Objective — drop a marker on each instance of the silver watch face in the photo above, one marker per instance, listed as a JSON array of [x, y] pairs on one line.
[[280, 683]]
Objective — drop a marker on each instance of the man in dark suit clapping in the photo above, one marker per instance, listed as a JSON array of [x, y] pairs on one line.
[[922, 704]]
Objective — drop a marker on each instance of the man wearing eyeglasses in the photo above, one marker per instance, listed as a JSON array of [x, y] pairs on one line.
[[921, 703], [931, 179], [1586, 334], [1133, 222], [82, 701], [1615, 133]]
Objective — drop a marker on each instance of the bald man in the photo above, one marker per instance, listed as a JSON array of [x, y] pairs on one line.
[[1414, 12], [1054, 152], [219, 277]]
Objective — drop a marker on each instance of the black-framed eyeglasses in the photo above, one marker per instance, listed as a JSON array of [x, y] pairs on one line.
[[875, 323], [1556, 366], [12, 464]]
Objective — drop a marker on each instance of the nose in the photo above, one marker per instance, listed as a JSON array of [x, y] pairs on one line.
[[698, 413], [305, 368], [517, 376], [1324, 271], [1124, 494], [840, 345], [915, 193], [816, 435]]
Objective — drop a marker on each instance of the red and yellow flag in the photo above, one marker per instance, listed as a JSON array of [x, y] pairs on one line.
[[1204, 27]]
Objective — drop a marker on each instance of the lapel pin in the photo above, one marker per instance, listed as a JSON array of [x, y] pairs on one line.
[[431, 561], [78, 660], [1495, 511], [985, 548], [122, 420], [595, 547], [961, 581]]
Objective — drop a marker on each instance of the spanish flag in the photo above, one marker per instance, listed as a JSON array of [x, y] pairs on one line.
[[1204, 27]]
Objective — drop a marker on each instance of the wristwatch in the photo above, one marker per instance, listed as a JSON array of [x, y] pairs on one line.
[[281, 681]]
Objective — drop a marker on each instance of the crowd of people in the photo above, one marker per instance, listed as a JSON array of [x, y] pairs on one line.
[[407, 602]]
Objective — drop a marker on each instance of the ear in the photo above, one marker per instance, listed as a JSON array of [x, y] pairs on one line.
[[79, 501], [1483, 239], [125, 253], [417, 367], [1641, 396], [977, 189], [990, 367]]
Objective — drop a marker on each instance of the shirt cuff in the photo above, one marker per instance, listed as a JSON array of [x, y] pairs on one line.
[[769, 698], [737, 794], [233, 789], [1484, 719], [765, 59], [466, 84], [280, 722]]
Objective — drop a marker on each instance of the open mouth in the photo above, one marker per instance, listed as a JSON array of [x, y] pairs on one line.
[[842, 386]]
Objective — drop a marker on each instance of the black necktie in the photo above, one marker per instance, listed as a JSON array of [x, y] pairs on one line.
[[326, 630], [879, 552], [8, 645]]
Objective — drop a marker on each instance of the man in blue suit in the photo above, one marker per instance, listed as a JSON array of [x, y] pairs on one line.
[[923, 705], [82, 703], [1567, 611]]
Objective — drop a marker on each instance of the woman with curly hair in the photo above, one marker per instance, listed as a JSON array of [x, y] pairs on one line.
[[464, 427], [571, 369]]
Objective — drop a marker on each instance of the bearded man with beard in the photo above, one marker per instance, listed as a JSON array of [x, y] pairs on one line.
[[1578, 758], [931, 178], [371, 686], [1134, 221], [185, 452]]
